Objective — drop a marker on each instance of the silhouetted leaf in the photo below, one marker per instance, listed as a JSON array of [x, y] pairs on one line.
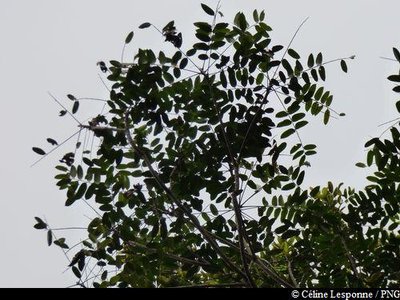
[[287, 133], [207, 9], [61, 243], [327, 115], [38, 151], [40, 224], [76, 272], [51, 141], [49, 237], [145, 25], [129, 37], [343, 65], [318, 60], [71, 97], [395, 78], [293, 54], [75, 107], [396, 54], [310, 61]]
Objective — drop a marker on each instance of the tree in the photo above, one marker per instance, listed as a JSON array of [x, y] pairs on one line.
[[197, 180]]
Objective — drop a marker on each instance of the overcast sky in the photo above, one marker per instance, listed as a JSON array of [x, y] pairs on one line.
[[49, 45]]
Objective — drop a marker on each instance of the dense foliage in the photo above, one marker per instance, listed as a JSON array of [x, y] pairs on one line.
[[197, 180]]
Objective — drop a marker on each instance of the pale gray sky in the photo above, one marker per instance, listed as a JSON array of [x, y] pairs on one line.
[[49, 45]]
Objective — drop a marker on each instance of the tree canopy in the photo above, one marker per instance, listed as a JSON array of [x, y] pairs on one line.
[[198, 176]]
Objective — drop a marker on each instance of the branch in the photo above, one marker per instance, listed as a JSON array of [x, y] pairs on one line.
[[101, 128], [207, 236], [262, 263], [58, 102], [233, 168], [242, 236], [290, 43], [170, 255], [296, 285], [350, 257]]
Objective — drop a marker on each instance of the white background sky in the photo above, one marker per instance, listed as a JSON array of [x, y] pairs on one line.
[[49, 45]]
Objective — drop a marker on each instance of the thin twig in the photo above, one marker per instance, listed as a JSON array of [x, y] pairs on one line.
[[54, 149], [58, 102], [290, 43]]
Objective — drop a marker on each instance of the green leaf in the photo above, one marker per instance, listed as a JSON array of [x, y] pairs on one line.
[[76, 272], [38, 151], [207, 9], [284, 123], [314, 74], [71, 97], [81, 191], [361, 165], [129, 37], [293, 54], [289, 186], [168, 77], [61, 243], [213, 209], [310, 61], [287, 133], [255, 16], [262, 15], [104, 275], [322, 74], [79, 172], [240, 21], [300, 179], [281, 229], [396, 54], [290, 233], [191, 52], [75, 107], [40, 224], [318, 93], [49, 237], [183, 63], [327, 115], [395, 78], [318, 60], [314, 191], [145, 25], [52, 142], [300, 124], [343, 65], [396, 89], [260, 78], [398, 106]]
